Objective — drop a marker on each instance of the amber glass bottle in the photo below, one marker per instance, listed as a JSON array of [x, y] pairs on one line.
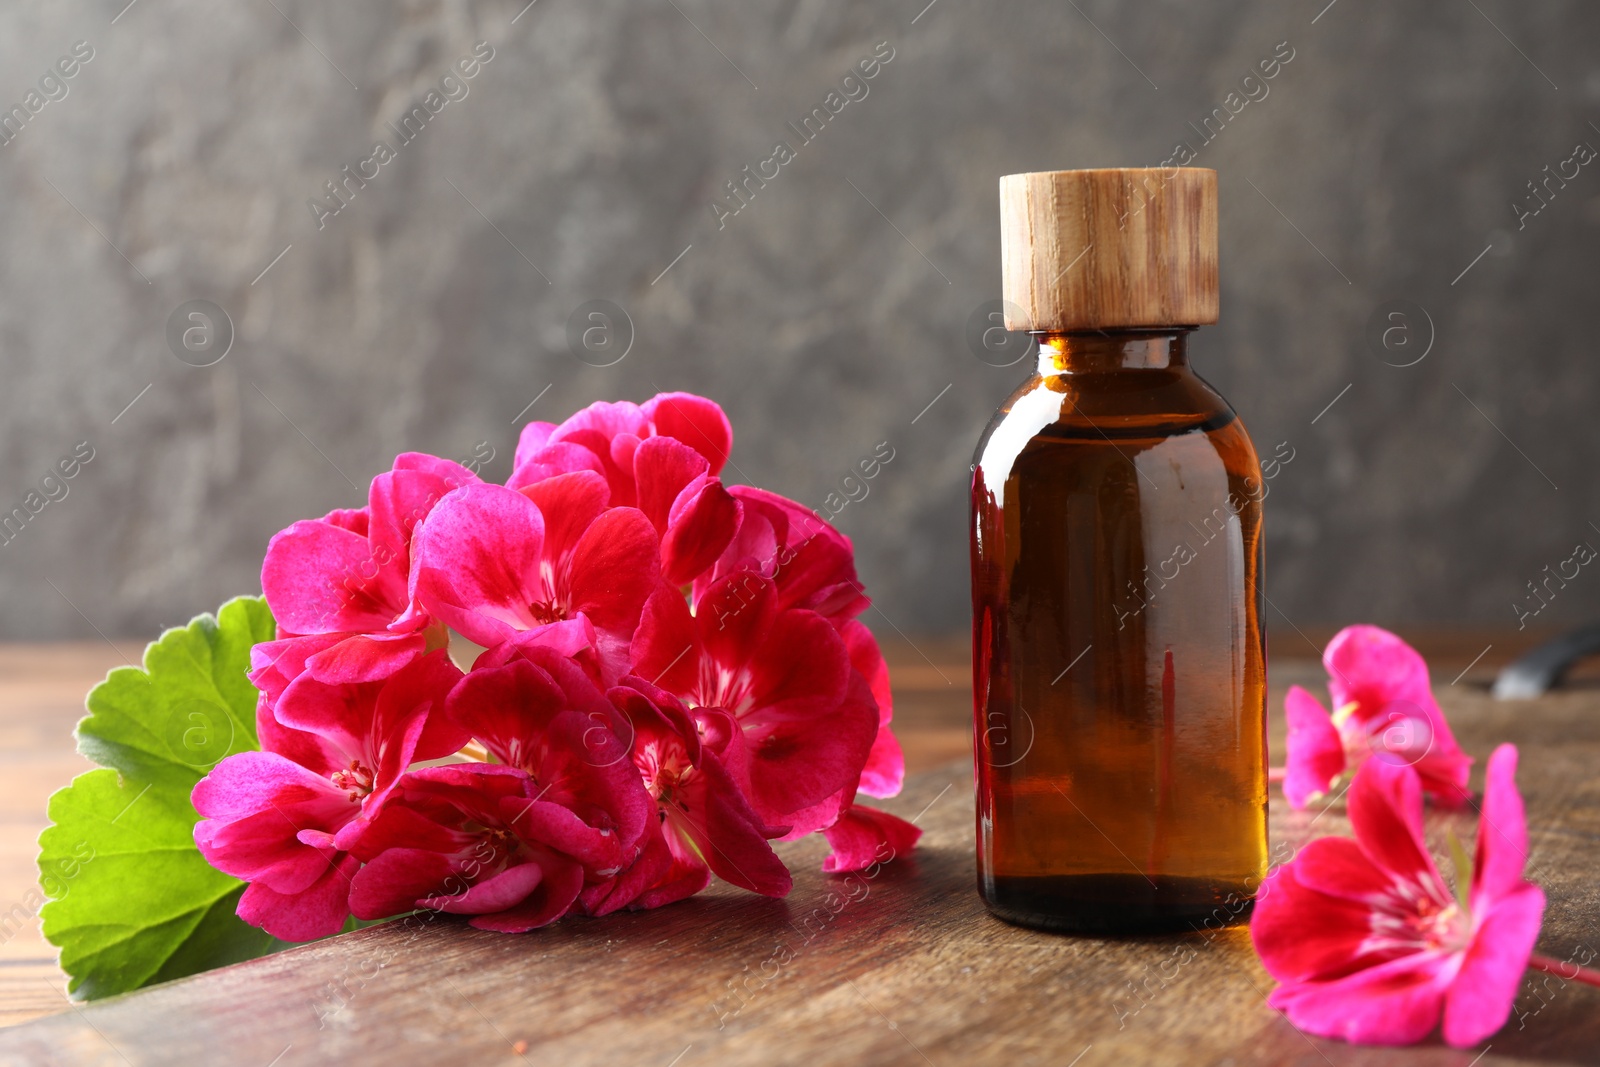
[[1119, 668]]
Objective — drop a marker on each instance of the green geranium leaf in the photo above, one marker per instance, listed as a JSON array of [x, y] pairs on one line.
[[192, 704], [132, 900]]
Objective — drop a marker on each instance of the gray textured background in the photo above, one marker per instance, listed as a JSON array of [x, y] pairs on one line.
[[181, 161]]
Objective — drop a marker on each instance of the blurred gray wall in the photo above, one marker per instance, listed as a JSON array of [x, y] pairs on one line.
[[583, 163]]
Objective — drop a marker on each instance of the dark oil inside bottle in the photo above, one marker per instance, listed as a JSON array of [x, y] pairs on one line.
[[1119, 663]]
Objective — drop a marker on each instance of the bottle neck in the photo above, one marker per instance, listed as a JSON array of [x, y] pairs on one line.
[[1090, 351]]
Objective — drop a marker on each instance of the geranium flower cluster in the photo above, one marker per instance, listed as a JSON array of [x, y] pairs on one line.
[[674, 676]]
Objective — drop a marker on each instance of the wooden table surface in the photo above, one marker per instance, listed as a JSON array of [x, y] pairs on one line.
[[904, 967]]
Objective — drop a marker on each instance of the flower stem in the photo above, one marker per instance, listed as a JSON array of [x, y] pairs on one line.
[[1561, 969], [1277, 774]]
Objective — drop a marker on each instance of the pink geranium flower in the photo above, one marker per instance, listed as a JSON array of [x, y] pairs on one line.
[[1368, 941], [1384, 709], [674, 482], [471, 839], [705, 821], [539, 712], [603, 437], [584, 442], [695, 516], [811, 563], [863, 836], [338, 585], [885, 770], [284, 818], [492, 562], [812, 566], [807, 717]]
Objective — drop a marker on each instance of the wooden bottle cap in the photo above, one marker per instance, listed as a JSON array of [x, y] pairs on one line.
[[1091, 249]]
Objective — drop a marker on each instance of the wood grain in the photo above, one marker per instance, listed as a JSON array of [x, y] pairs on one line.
[[902, 967], [41, 698], [1090, 249]]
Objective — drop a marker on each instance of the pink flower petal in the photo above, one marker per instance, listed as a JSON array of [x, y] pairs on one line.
[[1385, 805], [735, 617], [809, 729], [457, 838], [814, 817], [252, 804], [863, 836], [507, 708], [1418, 736], [1445, 771], [568, 504], [570, 639], [420, 689], [353, 519], [247, 783], [318, 911], [320, 578], [867, 658], [695, 516], [274, 664], [1338, 867], [647, 873], [496, 893], [729, 835], [1303, 934], [700, 526], [611, 432], [808, 718], [812, 563], [339, 714], [694, 420], [1480, 1000], [309, 750], [366, 657], [756, 546], [1502, 850], [885, 769], [800, 669], [591, 805], [1315, 753], [446, 470], [394, 880], [534, 436], [685, 876], [662, 468], [665, 641], [477, 560], [556, 893], [1396, 1003], [1373, 667], [708, 819], [562, 829], [564, 457], [368, 720], [403, 497], [605, 420], [615, 568]]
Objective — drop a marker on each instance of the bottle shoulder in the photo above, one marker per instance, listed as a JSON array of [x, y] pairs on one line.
[[1131, 409]]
